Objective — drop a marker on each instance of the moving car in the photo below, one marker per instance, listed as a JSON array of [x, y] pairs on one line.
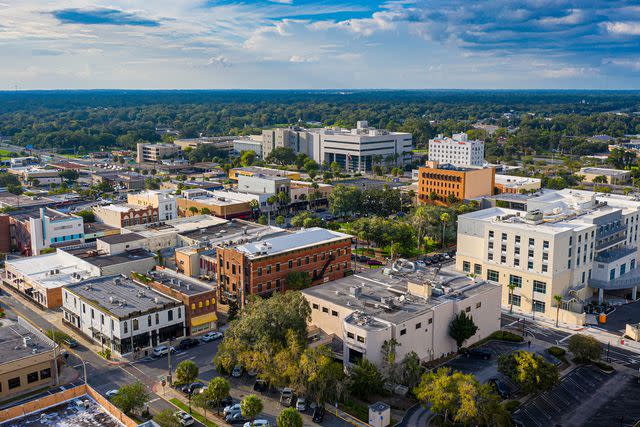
[[211, 336], [500, 387], [318, 414], [374, 262], [237, 371], [188, 343], [112, 393], [163, 350], [286, 397], [301, 404], [478, 353], [70, 342], [257, 423], [235, 418], [183, 418]]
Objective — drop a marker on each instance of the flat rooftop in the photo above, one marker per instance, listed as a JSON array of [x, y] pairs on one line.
[[97, 227], [232, 230], [515, 180], [178, 225], [50, 271], [12, 340], [124, 207], [68, 414], [367, 183], [120, 296], [180, 282], [88, 253], [121, 238], [604, 171], [382, 295], [516, 219], [298, 240]]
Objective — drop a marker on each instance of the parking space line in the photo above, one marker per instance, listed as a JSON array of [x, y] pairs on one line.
[[550, 402]]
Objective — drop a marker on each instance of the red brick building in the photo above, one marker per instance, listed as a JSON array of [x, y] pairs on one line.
[[126, 215], [262, 267]]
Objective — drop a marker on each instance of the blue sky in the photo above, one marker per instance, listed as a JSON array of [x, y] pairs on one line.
[[320, 44]]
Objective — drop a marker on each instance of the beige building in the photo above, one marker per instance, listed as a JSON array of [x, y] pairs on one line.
[[413, 307], [125, 214], [570, 243], [154, 153], [610, 176], [163, 200], [444, 182], [27, 359], [516, 184]]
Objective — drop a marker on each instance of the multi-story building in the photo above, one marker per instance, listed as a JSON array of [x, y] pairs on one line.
[[447, 182], [263, 184], [253, 144], [122, 315], [458, 151], [33, 232], [570, 243], [413, 307], [29, 360], [163, 200], [154, 153], [223, 204], [262, 267], [198, 298], [34, 175], [221, 143], [121, 180], [516, 184], [125, 215], [605, 176], [235, 173], [284, 138]]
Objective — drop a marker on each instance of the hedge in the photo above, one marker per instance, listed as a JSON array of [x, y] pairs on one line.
[[505, 336]]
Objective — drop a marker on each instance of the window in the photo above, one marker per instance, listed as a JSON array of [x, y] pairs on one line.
[[530, 253], [539, 286], [149, 320], [32, 377], [92, 313], [259, 287], [569, 264], [538, 306], [350, 335], [360, 339], [45, 373], [632, 265], [306, 260], [316, 306], [515, 299], [468, 309], [612, 274], [299, 262], [126, 327], [490, 245], [530, 265], [135, 324], [515, 280], [493, 275], [418, 325], [545, 256], [334, 313], [545, 244], [430, 321], [516, 262], [14, 382], [170, 315], [623, 269], [503, 236], [490, 256], [403, 332], [531, 242], [478, 304], [517, 251], [325, 310], [517, 239], [157, 318], [490, 233], [259, 271], [278, 266], [583, 277], [503, 258], [477, 269], [290, 263], [466, 266], [199, 304], [180, 311], [570, 240]]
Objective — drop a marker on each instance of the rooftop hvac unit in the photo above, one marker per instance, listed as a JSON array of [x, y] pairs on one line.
[[111, 300], [116, 282], [26, 341], [156, 300]]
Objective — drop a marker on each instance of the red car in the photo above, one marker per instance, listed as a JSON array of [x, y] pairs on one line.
[[374, 262]]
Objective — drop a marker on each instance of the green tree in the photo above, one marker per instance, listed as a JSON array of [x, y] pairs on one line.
[[262, 220], [512, 286], [321, 376], [87, 216], [205, 211], [186, 372], [298, 280], [585, 347], [528, 370], [217, 389], [365, 379], [194, 210], [388, 351], [558, 301], [247, 158], [289, 417], [280, 220], [344, 200], [282, 156], [69, 175], [444, 218], [600, 179], [165, 418], [251, 406], [233, 310], [462, 328], [411, 369], [131, 397]]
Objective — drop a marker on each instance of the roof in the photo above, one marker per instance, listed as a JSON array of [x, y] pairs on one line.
[[51, 270], [297, 240], [120, 296], [511, 180], [89, 254], [180, 282], [178, 225], [12, 338], [125, 207], [233, 230], [121, 238], [604, 171]]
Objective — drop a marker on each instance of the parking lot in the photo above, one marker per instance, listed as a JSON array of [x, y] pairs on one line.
[[550, 407], [485, 369], [621, 410]]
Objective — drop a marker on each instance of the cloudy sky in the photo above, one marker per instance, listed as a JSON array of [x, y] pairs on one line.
[[46, 44]]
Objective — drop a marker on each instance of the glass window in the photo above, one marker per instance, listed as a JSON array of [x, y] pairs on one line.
[[403, 332], [515, 280], [477, 269], [539, 286], [45, 373], [334, 313], [14, 382], [490, 233], [612, 274], [466, 266], [315, 306], [538, 306], [325, 310], [135, 324], [418, 325], [515, 299], [493, 275], [32, 377], [360, 339]]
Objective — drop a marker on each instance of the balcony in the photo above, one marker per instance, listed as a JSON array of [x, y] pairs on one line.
[[613, 241], [626, 281], [611, 231], [614, 255]]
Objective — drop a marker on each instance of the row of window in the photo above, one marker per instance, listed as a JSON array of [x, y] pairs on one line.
[[32, 377], [538, 306], [143, 220], [66, 238], [307, 259]]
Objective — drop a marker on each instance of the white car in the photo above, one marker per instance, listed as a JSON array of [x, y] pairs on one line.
[[257, 423], [183, 418], [163, 350], [112, 393], [237, 371], [211, 336], [301, 404], [232, 408]]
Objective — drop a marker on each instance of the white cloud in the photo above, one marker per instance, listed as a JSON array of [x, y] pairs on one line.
[[297, 58], [567, 72], [219, 61], [623, 28]]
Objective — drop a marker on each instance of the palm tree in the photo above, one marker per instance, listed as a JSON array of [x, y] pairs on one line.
[[444, 218], [558, 300], [511, 287]]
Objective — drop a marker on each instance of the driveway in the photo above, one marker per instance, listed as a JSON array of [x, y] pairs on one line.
[[623, 314]]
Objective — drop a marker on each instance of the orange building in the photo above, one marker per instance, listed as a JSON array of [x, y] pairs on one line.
[[441, 183], [263, 267]]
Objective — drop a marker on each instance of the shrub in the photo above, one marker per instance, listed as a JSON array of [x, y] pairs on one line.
[[585, 347], [556, 351], [505, 336], [512, 405], [604, 366]]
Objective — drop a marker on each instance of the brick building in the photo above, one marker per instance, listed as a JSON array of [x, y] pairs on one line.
[[262, 267], [442, 183], [125, 215]]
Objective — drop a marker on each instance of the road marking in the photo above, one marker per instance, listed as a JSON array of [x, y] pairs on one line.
[[137, 369], [129, 373], [154, 400], [192, 357], [565, 338]]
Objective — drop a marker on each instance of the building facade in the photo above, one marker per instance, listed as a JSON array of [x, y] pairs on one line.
[[605, 176], [223, 204], [458, 151], [516, 184], [48, 228], [154, 153], [448, 183], [125, 215], [164, 201]]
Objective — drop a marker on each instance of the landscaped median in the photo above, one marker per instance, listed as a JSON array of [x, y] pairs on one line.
[[197, 415]]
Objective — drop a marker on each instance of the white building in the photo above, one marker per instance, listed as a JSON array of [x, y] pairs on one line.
[[164, 200], [414, 308], [54, 229], [263, 184], [121, 315], [240, 145], [570, 243], [458, 151]]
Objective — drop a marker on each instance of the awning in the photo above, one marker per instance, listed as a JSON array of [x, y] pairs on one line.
[[205, 318]]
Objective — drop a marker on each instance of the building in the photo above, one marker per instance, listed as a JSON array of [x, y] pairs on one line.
[[413, 307], [125, 215], [223, 204], [448, 183], [293, 138], [41, 278], [570, 243], [164, 201], [96, 230], [263, 184], [198, 298], [235, 173], [516, 184], [120, 180], [35, 231], [35, 175], [306, 193], [221, 143], [458, 151], [122, 315], [154, 153], [5, 234], [263, 267], [29, 360], [253, 144], [605, 176]]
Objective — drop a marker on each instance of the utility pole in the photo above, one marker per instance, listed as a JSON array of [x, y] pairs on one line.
[[169, 359]]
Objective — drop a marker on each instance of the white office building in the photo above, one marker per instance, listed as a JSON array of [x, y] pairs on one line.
[[458, 151]]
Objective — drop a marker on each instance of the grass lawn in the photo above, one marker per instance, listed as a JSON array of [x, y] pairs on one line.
[[194, 414]]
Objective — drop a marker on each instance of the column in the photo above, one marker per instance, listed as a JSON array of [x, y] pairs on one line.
[[600, 295], [359, 163], [634, 293]]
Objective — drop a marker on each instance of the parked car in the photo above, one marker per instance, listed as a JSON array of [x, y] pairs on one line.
[[163, 350], [235, 418], [112, 393], [188, 343], [500, 387], [318, 414], [420, 264], [286, 397], [257, 423], [374, 262], [227, 401], [301, 404], [478, 353], [191, 388], [260, 386], [211, 336], [183, 418], [231, 408], [237, 371], [362, 258], [70, 342]]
